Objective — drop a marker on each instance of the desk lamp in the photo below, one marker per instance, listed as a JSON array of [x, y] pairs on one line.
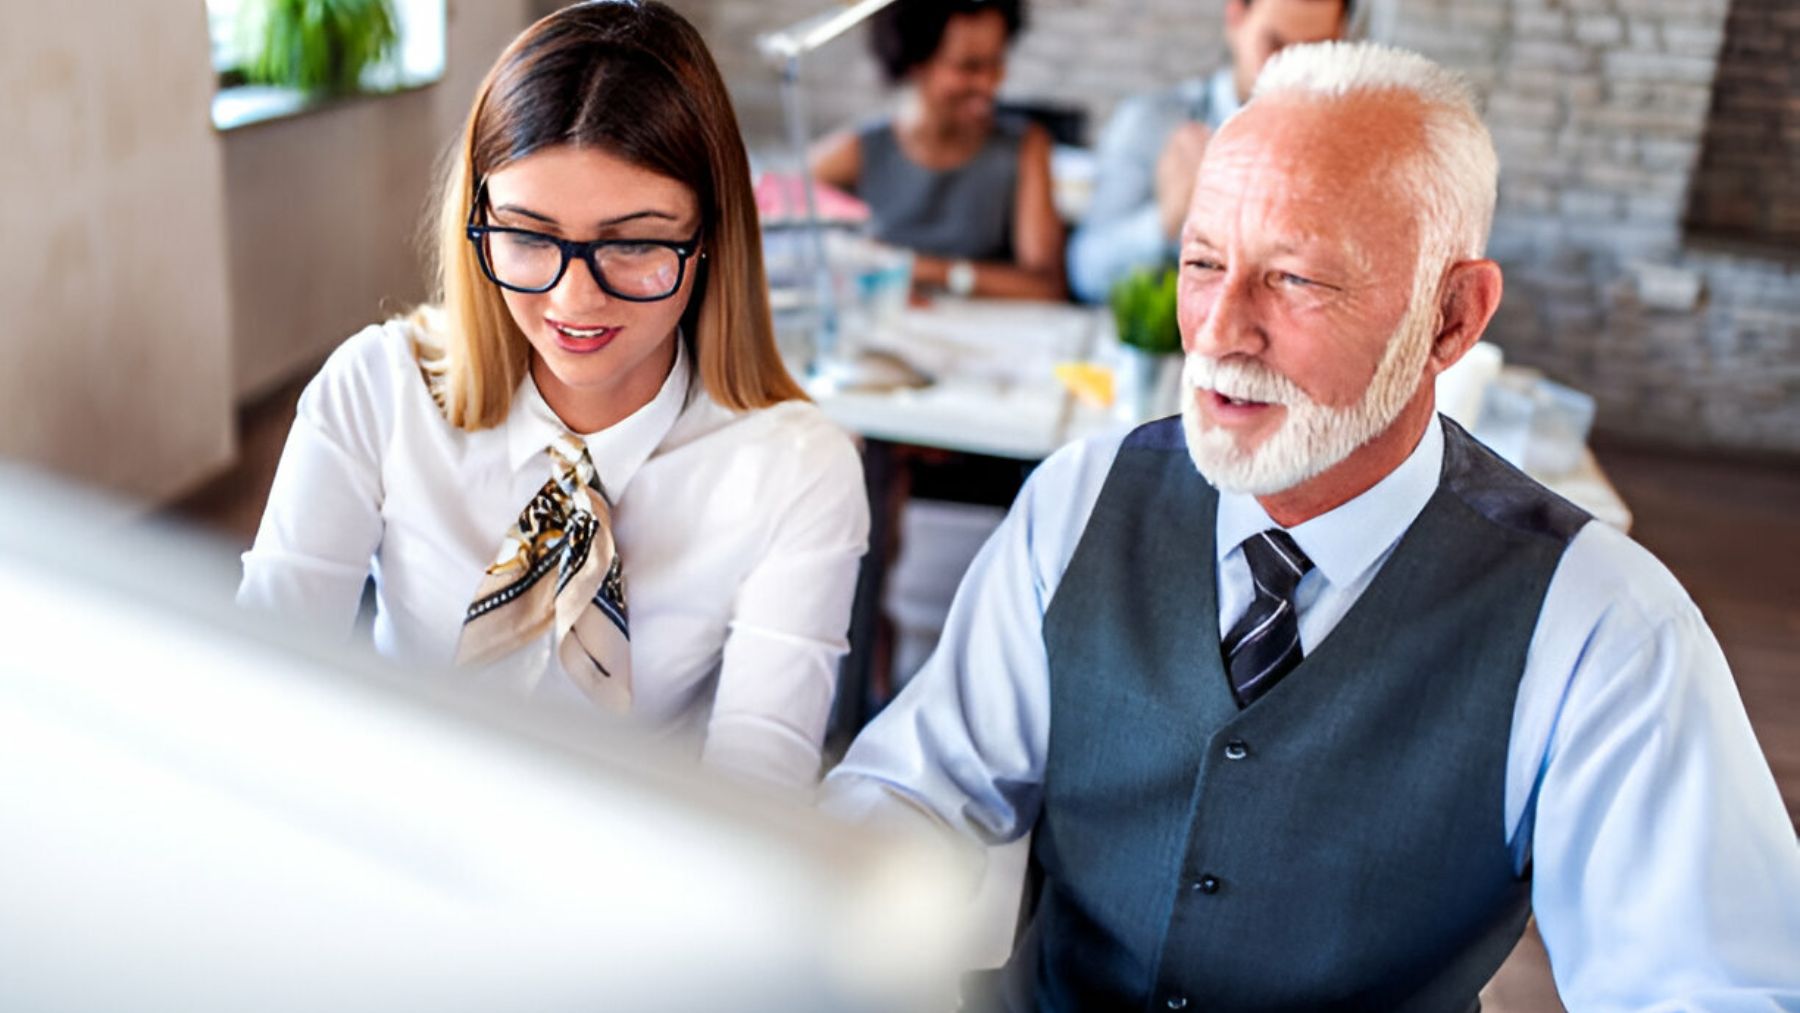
[[785, 48]]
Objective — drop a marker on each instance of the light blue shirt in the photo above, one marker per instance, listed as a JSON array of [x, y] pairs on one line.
[[1664, 869], [1122, 230]]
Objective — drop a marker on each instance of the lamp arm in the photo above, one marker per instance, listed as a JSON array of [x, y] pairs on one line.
[[808, 34]]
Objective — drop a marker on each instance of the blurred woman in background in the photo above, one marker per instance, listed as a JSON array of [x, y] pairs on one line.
[[967, 189], [584, 474]]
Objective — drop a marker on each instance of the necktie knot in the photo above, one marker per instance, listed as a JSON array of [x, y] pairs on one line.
[[571, 467], [1276, 562]]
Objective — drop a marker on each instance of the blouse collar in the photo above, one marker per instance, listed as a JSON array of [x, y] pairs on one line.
[[618, 450]]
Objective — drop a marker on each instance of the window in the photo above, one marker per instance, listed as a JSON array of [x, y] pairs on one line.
[[417, 60]]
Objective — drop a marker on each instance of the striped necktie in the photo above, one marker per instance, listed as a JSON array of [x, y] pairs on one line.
[[558, 570], [1265, 643]]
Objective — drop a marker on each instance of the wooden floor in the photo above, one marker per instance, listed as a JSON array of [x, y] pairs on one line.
[[231, 504], [1730, 530]]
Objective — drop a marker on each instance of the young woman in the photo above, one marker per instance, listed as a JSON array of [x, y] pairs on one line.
[[966, 189], [584, 474]]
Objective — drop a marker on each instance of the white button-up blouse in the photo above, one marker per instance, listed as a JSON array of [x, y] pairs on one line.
[[740, 534]]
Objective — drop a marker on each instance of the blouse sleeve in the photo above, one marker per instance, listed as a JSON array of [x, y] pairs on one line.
[[789, 619], [323, 520]]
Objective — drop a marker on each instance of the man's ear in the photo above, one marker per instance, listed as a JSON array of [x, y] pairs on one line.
[[1470, 296]]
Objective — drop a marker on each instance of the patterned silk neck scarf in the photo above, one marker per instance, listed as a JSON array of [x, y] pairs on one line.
[[558, 570]]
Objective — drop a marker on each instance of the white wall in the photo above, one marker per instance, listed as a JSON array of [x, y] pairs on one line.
[[114, 333], [323, 210], [154, 272]]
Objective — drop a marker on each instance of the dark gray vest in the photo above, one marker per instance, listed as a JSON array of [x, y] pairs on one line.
[[1340, 843], [962, 212]]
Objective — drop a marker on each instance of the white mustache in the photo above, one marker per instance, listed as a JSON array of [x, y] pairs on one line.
[[1241, 380]]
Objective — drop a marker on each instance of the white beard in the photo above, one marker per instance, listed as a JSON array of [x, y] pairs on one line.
[[1312, 437]]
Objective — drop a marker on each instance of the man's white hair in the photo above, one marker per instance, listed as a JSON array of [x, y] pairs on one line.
[[1456, 170]]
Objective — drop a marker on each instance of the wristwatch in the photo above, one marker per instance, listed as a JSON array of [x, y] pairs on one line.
[[960, 279]]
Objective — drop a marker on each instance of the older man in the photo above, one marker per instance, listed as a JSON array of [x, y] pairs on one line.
[[1152, 145], [1309, 698]]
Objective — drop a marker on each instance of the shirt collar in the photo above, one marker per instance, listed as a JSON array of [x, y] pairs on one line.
[[618, 450], [1344, 542]]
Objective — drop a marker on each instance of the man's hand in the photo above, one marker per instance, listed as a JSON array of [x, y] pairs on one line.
[[1176, 168]]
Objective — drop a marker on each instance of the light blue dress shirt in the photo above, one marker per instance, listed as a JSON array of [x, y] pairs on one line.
[[1665, 872], [1122, 230]]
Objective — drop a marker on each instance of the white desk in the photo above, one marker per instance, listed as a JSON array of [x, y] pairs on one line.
[[992, 390]]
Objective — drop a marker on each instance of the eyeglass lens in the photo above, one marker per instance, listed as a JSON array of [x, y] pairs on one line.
[[638, 270]]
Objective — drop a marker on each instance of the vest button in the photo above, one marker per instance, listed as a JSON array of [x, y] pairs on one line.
[[1205, 884], [1236, 749], [1177, 1002]]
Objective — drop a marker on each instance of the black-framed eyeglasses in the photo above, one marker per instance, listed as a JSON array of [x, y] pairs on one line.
[[636, 270]]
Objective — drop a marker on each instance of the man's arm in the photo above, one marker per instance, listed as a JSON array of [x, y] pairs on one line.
[[1665, 869], [1123, 229], [964, 745]]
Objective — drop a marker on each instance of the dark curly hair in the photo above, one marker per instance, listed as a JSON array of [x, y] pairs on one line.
[[907, 33]]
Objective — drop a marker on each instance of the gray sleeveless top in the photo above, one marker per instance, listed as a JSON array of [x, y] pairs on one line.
[[962, 212]]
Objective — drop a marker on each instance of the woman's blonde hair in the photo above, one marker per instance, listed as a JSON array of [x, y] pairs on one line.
[[633, 78]]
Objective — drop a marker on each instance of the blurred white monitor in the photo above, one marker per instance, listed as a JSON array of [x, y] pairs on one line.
[[196, 816]]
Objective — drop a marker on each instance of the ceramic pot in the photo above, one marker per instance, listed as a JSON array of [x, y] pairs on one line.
[[1148, 384]]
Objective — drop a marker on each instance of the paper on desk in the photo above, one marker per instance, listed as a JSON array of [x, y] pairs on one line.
[[1088, 381], [993, 367], [1006, 343]]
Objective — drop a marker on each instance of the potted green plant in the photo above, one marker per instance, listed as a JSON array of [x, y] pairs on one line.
[[318, 46], [1143, 307]]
